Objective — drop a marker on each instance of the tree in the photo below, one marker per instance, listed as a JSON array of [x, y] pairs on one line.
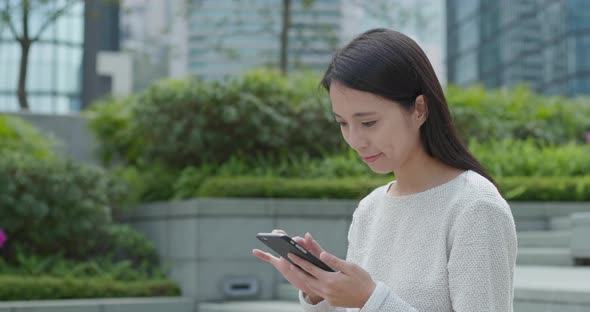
[[286, 26], [267, 20], [23, 10], [410, 16], [285, 35]]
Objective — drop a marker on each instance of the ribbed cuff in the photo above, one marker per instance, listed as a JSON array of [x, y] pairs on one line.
[[377, 297], [384, 297]]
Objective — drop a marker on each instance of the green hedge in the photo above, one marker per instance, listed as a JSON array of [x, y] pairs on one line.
[[532, 158], [513, 188], [180, 123], [47, 287], [517, 113], [168, 139]]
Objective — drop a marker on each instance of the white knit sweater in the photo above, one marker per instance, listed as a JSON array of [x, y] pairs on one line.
[[449, 248]]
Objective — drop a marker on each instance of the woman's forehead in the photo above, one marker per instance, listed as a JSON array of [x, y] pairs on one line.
[[356, 103]]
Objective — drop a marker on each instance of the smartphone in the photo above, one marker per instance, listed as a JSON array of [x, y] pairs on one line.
[[283, 244]]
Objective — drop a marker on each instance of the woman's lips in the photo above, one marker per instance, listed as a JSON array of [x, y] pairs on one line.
[[372, 158]]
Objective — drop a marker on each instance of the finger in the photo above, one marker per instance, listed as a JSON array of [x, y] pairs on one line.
[[336, 263], [308, 267], [312, 245], [264, 256], [303, 243], [301, 273], [277, 231]]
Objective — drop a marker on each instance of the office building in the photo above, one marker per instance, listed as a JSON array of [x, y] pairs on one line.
[[543, 43]]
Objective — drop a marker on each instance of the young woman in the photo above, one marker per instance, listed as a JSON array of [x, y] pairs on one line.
[[438, 238]]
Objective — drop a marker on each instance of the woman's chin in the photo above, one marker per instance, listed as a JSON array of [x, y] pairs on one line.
[[381, 170]]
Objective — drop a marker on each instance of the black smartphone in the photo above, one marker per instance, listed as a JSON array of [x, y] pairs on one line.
[[283, 244]]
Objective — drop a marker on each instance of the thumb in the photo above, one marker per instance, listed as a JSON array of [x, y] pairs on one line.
[[335, 262]]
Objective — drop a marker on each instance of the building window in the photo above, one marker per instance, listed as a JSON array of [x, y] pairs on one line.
[[54, 64]]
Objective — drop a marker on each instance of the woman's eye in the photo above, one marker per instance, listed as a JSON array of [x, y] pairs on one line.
[[341, 124], [369, 123]]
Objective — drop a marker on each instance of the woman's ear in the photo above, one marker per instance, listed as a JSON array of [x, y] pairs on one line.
[[420, 110]]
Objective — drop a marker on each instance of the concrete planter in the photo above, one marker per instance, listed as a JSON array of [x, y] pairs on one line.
[[205, 241]]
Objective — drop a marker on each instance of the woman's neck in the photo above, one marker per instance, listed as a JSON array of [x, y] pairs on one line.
[[420, 173]]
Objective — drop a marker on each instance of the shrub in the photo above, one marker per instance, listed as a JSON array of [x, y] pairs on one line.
[[517, 113], [111, 121], [513, 188], [19, 137], [193, 122], [531, 158], [47, 287], [53, 204], [346, 164], [272, 187], [118, 265], [123, 243], [144, 184]]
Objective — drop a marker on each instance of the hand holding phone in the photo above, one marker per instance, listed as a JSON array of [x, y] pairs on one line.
[[282, 244]]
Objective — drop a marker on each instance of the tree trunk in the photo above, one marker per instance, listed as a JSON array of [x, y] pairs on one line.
[[25, 45], [285, 35], [22, 78]]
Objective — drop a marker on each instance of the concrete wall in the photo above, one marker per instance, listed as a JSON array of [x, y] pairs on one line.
[[205, 240], [72, 130]]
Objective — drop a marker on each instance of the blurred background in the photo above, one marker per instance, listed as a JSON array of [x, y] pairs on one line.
[[144, 143]]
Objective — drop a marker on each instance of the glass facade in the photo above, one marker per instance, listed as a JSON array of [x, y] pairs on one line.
[[502, 43], [55, 61], [227, 37]]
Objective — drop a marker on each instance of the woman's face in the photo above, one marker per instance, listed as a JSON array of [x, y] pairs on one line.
[[379, 130]]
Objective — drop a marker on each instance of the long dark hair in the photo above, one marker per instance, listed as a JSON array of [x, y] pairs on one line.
[[392, 65]]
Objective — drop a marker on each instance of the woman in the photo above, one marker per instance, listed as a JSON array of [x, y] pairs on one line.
[[438, 238]]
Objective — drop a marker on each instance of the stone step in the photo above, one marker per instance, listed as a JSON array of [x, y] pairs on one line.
[[544, 239], [560, 223], [251, 306], [551, 288], [544, 256], [288, 292]]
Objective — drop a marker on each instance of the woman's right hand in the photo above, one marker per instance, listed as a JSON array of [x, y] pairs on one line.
[[284, 266]]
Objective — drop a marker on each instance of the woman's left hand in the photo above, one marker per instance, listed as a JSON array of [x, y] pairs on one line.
[[351, 287]]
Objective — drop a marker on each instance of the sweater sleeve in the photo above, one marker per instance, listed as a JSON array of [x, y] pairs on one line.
[[482, 257]]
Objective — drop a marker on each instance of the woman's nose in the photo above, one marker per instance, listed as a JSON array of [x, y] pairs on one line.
[[357, 140]]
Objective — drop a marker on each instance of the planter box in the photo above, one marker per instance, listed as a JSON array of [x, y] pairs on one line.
[[205, 241]]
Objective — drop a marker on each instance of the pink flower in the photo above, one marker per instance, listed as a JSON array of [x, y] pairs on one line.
[[3, 238], [588, 136]]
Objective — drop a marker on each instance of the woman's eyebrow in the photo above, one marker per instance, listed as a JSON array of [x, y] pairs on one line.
[[357, 114]]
